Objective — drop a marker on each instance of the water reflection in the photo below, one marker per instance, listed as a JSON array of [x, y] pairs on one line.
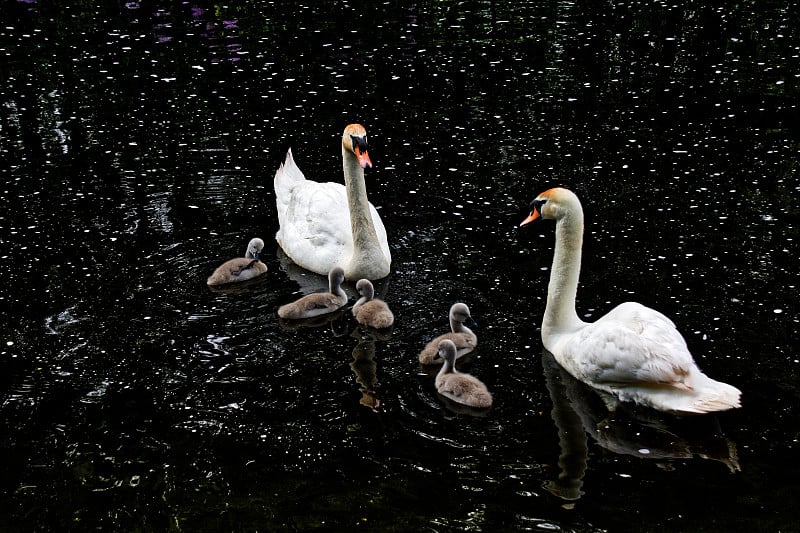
[[580, 412], [364, 366], [337, 321]]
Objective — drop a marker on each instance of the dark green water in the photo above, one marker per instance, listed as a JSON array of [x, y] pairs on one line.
[[139, 141]]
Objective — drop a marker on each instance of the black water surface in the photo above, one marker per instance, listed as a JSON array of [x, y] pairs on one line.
[[139, 141]]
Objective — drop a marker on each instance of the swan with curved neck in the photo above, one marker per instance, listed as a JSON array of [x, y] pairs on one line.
[[634, 353], [240, 269], [463, 337], [325, 225]]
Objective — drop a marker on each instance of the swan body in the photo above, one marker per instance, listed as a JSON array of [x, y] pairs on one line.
[[325, 225], [634, 353], [240, 268], [463, 337], [458, 386], [318, 303], [370, 311]]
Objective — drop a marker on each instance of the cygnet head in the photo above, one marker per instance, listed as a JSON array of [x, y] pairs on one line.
[[447, 351], [460, 313], [254, 248], [354, 140], [335, 277], [365, 289], [553, 204]]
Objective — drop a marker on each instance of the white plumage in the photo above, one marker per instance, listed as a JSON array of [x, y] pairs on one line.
[[633, 352], [325, 225]]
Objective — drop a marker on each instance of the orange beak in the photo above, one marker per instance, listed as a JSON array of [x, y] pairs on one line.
[[533, 216], [363, 158]]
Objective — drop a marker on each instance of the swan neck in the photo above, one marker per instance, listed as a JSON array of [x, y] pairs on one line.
[[361, 301], [560, 311], [459, 327], [448, 367], [360, 218], [367, 248], [336, 288]]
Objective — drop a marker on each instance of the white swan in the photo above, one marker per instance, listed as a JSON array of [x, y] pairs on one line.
[[240, 268], [324, 225], [458, 386], [463, 337], [318, 303], [634, 352], [370, 311]]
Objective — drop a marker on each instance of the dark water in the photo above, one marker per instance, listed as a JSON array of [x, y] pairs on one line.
[[139, 141]]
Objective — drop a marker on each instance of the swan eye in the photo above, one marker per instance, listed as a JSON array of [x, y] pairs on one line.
[[359, 142], [537, 205]]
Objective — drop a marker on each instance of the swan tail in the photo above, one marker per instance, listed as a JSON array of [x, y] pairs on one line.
[[719, 398], [705, 396], [287, 174], [217, 278]]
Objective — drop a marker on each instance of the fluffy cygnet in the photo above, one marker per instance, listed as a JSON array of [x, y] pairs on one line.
[[463, 337], [370, 311], [458, 386], [318, 303], [240, 268]]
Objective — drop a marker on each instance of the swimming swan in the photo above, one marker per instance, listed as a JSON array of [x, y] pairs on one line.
[[318, 303], [240, 268], [463, 337], [458, 386], [324, 225], [370, 311], [634, 352]]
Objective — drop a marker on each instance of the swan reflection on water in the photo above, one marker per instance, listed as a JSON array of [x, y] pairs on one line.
[[580, 412], [364, 365]]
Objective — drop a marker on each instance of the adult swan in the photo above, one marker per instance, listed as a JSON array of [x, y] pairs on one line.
[[325, 225], [634, 352]]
